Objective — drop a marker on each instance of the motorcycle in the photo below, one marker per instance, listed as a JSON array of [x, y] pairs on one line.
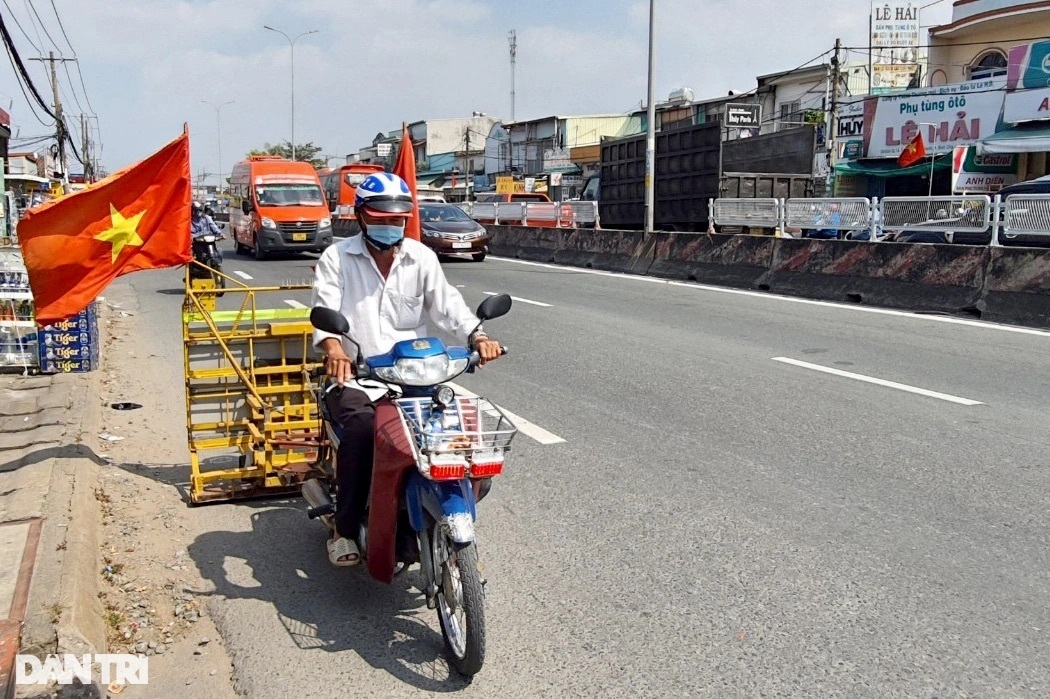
[[206, 252], [435, 456]]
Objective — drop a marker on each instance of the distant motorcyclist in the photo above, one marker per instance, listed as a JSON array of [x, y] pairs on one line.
[[201, 223]]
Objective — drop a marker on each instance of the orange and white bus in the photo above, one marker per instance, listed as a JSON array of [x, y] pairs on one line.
[[340, 188]]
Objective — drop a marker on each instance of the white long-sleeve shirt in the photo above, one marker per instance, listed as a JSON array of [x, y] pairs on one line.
[[381, 311]]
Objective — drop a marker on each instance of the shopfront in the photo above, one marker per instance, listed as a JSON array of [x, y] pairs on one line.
[[873, 131], [1026, 111]]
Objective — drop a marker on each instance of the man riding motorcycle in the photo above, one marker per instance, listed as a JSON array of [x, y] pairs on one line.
[[381, 283], [201, 223]]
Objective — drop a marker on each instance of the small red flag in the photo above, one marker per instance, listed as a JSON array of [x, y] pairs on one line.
[[913, 152], [405, 168], [138, 218]]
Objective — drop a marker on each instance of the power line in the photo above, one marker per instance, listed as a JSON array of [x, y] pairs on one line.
[[43, 26], [948, 45], [64, 35], [72, 89], [20, 68], [80, 73], [19, 25]]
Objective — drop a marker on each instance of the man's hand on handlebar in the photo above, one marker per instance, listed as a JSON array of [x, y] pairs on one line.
[[488, 349], [336, 363]]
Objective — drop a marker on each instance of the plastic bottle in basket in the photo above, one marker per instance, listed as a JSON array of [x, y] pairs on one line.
[[431, 429]]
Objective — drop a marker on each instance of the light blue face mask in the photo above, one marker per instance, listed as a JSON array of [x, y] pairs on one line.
[[385, 237]]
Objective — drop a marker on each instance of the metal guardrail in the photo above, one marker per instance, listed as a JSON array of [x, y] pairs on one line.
[[583, 211], [834, 213], [510, 211], [747, 212], [873, 219], [1026, 214], [562, 214], [969, 213]]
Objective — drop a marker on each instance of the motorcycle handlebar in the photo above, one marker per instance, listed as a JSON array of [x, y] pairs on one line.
[[475, 358]]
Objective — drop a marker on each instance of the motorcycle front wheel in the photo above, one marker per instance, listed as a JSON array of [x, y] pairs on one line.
[[460, 602]]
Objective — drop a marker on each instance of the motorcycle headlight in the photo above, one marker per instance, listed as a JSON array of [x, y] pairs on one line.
[[207, 238], [325, 223], [268, 222], [426, 371]]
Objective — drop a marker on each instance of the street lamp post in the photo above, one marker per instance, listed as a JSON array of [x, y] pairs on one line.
[[218, 125], [291, 45], [650, 132]]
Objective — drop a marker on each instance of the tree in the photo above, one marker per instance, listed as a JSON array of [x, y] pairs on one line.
[[306, 152]]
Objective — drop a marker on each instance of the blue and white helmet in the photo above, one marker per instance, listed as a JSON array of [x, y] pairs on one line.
[[384, 195]]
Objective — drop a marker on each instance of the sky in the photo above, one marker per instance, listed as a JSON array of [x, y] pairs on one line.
[[148, 65]]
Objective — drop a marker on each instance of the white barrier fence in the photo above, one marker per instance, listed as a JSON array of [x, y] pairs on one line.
[[1019, 215], [566, 214], [875, 219]]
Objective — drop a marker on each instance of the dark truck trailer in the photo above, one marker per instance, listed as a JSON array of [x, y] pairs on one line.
[[688, 174]]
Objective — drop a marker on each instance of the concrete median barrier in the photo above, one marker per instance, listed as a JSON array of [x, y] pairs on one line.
[[1017, 287], [943, 278], [613, 251], [740, 261], [524, 242]]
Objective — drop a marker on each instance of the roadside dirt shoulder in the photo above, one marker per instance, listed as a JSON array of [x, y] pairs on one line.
[[154, 596]]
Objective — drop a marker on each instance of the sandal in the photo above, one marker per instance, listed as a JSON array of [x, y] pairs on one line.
[[343, 552]]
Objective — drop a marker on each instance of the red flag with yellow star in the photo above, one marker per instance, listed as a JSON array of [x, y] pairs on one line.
[[135, 219], [913, 152]]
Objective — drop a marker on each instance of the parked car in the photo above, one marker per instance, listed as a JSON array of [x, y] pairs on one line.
[[447, 230]]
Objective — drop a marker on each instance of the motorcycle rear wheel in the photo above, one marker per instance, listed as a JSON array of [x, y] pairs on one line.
[[460, 603]]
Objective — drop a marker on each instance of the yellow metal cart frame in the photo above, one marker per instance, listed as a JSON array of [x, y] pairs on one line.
[[249, 393]]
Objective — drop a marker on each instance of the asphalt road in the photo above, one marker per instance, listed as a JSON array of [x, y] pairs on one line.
[[719, 521]]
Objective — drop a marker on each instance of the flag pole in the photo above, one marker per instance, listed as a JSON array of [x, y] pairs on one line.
[[932, 158]]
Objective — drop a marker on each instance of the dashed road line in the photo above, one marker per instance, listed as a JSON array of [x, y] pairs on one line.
[[879, 382], [516, 298], [524, 426]]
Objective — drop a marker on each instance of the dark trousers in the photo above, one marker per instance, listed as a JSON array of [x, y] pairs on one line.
[[355, 413]]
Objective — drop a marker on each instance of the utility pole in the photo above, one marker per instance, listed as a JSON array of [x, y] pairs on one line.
[[513, 38], [466, 164], [85, 148], [60, 126], [833, 121], [650, 135]]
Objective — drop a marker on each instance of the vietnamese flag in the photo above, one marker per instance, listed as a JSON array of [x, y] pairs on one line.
[[405, 168], [138, 218], [913, 152]]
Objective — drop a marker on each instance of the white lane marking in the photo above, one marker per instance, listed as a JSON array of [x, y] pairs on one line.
[[600, 273], [242, 275], [294, 304], [534, 303], [461, 286], [794, 299], [880, 382], [524, 426]]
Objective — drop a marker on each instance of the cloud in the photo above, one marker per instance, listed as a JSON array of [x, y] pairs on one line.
[[149, 63]]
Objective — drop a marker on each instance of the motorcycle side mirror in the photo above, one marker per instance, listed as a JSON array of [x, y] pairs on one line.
[[494, 307], [329, 321]]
